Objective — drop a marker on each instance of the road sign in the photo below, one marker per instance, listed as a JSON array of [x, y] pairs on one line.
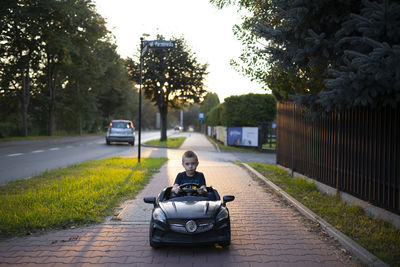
[[201, 116], [160, 44], [145, 48]]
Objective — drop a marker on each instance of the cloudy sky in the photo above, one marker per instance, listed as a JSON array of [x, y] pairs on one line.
[[207, 30]]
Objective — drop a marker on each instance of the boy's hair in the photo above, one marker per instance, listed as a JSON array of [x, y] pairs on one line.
[[190, 154]]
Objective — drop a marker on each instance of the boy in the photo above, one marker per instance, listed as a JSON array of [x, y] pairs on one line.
[[190, 162]]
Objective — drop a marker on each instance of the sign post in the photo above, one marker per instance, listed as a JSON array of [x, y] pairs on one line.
[[201, 118], [144, 47]]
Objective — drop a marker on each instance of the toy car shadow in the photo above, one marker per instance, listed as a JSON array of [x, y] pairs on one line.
[[189, 218]]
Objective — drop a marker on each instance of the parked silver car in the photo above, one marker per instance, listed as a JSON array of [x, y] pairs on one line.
[[121, 131]]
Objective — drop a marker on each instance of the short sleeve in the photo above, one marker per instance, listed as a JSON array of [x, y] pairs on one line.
[[178, 179], [202, 179]]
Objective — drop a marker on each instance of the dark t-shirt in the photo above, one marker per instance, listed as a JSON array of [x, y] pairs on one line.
[[197, 178]]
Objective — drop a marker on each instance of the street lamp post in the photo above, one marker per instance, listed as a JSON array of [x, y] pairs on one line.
[[140, 97]]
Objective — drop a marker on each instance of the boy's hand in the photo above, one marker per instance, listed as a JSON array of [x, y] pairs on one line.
[[202, 190], [176, 189]]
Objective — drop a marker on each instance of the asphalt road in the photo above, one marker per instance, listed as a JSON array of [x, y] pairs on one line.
[[24, 159]]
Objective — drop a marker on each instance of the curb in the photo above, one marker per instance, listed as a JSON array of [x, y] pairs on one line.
[[213, 143], [154, 146], [364, 255]]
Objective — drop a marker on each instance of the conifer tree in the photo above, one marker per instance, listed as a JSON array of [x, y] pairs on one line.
[[370, 73]]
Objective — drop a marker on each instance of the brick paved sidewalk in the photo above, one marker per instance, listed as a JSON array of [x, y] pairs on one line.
[[265, 232]]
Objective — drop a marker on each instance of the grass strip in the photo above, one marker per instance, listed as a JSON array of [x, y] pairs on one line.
[[170, 142], [79, 194], [377, 236]]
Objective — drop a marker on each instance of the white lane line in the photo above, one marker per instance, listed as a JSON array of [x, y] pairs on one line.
[[54, 149], [14, 155], [38, 151]]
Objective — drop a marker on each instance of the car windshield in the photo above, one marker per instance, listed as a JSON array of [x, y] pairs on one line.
[[189, 198], [121, 125]]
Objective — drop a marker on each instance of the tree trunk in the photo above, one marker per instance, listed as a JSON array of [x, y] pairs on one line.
[[25, 97], [163, 114], [52, 81], [80, 112]]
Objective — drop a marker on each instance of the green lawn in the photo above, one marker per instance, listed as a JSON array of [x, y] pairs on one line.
[[76, 195], [377, 236], [171, 142]]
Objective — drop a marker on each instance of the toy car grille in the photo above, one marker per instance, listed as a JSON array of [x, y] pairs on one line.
[[202, 226]]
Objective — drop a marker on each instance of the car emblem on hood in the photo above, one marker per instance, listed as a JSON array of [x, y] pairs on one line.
[[191, 226]]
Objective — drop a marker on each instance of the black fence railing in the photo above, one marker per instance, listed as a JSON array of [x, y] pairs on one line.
[[357, 151]]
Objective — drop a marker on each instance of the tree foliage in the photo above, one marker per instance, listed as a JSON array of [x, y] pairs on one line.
[[370, 74], [59, 68], [243, 110], [172, 78], [210, 100], [329, 54], [214, 116], [249, 110]]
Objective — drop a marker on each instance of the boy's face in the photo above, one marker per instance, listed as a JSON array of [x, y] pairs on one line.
[[190, 165]]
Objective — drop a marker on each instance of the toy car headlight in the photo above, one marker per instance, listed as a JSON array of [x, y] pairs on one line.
[[222, 214], [158, 215]]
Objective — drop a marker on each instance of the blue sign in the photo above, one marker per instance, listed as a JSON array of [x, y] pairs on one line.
[[243, 136], [235, 136], [201, 116]]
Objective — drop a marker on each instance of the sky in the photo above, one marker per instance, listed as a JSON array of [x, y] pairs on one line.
[[206, 29]]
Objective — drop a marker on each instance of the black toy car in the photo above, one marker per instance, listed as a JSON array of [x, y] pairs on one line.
[[189, 218]]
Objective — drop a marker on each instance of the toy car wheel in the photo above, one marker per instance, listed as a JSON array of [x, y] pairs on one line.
[[152, 244], [225, 244]]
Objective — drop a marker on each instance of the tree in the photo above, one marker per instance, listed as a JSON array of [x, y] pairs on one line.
[[248, 110], [63, 23], [19, 52], [294, 37], [172, 78], [210, 100], [58, 61], [214, 116], [371, 60], [325, 54], [191, 116]]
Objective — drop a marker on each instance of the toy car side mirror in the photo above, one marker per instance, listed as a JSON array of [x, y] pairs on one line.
[[150, 200], [228, 198]]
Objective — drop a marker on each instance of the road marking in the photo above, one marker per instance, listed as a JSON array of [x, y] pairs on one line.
[[54, 149], [38, 151], [14, 155]]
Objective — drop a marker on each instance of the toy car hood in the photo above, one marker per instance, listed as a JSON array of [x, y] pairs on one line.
[[190, 209]]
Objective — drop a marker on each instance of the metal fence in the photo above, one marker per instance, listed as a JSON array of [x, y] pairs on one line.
[[357, 151]]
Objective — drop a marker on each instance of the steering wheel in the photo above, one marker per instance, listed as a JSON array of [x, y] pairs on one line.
[[190, 189]]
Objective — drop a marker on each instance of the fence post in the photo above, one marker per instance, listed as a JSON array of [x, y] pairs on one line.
[[339, 153], [260, 136], [294, 112]]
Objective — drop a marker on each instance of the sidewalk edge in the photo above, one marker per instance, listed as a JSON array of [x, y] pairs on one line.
[[213, 143], [364, 255]]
